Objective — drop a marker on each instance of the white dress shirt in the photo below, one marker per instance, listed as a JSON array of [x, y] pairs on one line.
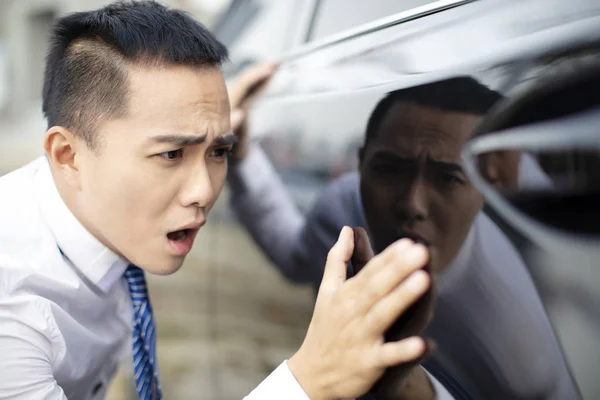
[[65, 321]]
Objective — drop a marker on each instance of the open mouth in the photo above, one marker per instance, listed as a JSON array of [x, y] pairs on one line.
[[412, 236], [180, 236], [180, 242]]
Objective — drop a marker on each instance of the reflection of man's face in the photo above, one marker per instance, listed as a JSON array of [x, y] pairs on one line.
[[412, 184]]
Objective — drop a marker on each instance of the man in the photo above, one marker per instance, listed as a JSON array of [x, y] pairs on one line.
[[411, 184], [136, 155]]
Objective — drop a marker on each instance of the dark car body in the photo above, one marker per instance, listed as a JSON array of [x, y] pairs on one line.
[[338, 59]]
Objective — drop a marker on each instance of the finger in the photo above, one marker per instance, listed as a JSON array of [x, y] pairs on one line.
[[247, 81], [430, 347], [415, 319], [390, 384], [404, 351], [387, 310], [335, 269], [237, 118], [408, 261], [363, 252], [385, 258], [386, 270]]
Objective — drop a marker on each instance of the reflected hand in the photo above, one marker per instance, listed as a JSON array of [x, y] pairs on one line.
[[363, 252], [344, 351], [246, 87], [407, 381]]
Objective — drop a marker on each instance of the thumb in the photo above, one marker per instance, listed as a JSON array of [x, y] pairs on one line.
[[337, 259], [248, 81], [237, 118]]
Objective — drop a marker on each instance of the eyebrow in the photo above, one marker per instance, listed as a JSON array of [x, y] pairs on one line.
[[442, 165], [190, 140], [446, 166]]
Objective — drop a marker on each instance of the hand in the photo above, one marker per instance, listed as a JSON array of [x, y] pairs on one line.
[[247, 86], [344, 351], [399, 379], [415, 386], [363, 252], [406, 381]]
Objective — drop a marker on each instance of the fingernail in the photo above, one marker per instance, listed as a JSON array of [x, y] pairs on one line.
[[342, 232], [402, 245], [414, 345], [417, 253]]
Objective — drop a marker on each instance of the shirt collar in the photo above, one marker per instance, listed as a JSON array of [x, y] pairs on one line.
[[95, 261]]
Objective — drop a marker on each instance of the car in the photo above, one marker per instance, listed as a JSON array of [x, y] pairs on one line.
[[338, 59], [555, 121]]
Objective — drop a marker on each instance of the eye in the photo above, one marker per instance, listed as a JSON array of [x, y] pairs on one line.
[[221, 152], [453, 179], [384, 167], [172, 155]]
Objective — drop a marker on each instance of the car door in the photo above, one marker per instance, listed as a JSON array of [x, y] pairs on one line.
[[312, 121]]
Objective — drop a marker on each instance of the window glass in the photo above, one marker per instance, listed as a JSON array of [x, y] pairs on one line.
[[257, 30], [335, 16]]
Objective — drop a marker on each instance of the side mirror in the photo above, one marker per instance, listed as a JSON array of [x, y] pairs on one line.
[[544, 178]]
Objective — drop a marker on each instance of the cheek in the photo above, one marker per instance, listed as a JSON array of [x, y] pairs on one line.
[[131, 193], [455, 220], [377, 202]]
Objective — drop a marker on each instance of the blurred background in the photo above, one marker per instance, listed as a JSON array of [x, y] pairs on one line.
[[222, 324]]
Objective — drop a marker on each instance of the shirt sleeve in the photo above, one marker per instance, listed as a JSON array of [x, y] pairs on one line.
[[261, 203], [281, 384], [27, 351], [440, 391]]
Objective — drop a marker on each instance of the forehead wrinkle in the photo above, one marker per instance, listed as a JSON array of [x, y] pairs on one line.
[[426, 133], [411, 120], [414, 147], [193, 122]]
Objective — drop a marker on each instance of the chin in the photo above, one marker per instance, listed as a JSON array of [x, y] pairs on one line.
[[168, 266]]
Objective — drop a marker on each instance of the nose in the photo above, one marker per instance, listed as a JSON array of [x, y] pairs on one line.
[[413, 202], [198, 189]]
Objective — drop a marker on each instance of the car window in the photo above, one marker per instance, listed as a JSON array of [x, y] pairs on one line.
[[334, 16], [256, 30]]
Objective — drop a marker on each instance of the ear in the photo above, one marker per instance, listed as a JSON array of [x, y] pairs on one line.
[[361, 156], [500, 169], [62, 149]]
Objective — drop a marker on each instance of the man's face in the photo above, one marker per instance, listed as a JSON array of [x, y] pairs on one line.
[[412, 184], [159, 169]]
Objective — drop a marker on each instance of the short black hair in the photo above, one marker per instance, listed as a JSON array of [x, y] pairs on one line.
[[85, 78], [460, 94]]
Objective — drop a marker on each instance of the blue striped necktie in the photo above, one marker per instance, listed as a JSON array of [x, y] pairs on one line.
[[144, 337]]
